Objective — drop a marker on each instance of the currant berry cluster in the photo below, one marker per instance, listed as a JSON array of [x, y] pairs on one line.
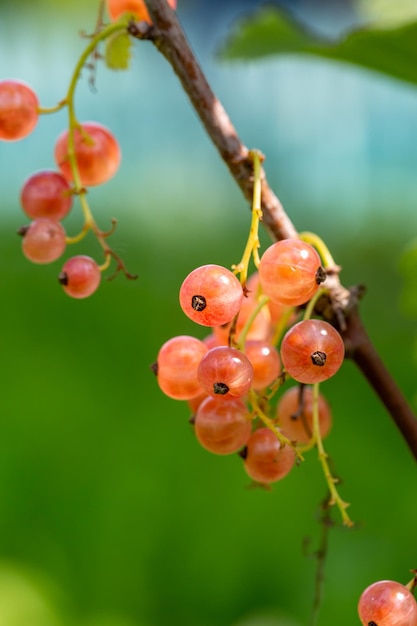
[[230, 377], [86, 154], [388, 603]]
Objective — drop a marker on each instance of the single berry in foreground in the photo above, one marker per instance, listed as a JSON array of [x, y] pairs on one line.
[[43, 240], [97, 153], [222, 425], [265, 459], [225, 370], [211, 295], [19, 110], [80, 276], [295, 414], [312, 351], [290, 272], [176, 367], [46, 194], [136, 8], [387, 603]]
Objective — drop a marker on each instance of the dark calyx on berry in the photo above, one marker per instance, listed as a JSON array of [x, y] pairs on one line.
[[63, 278], [321, 275], [22, 231], [220, 389], [372, 624], [319, 358], [198, 303]]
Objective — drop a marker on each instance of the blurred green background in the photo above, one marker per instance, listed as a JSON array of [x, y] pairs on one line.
[[110, 513]]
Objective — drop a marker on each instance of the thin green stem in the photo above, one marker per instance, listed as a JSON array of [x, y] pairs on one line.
[[312, 303], [269, 423], [243, 334], [335, 498], [252, 244], [320, 246]]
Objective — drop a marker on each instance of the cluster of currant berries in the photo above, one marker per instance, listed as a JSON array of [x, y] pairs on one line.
[[388, 603], [86, 154], [229, 376]]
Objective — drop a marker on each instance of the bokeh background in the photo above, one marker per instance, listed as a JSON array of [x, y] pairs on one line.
[[110, 513]]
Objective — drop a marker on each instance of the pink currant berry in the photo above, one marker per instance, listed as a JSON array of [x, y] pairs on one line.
[[312, 351], [225, 370], [176, 367], [290, 272], [222, 424], [211, 295], [387, 603], [265, 459], [80, 276]]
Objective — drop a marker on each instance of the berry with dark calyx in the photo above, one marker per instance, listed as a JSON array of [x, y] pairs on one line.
[[211, 295], [19, 110], [136, 8], [43, 240], [46, 194], [265, 361], [295, 414], [387, 603], [80, 277], [225, 370], [290, 272], [265, 459], [312, 351], [176, 367], [222, 425], [97, 153]]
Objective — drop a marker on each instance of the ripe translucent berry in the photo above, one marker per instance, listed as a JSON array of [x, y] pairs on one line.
[[290, 272], [211, 295], [18, 110], [312, 351], [225, 370], [222, 425], [46, 194], [176, 367], [265, 459], [80, 276], [295, 414], [97, 153], [43, 240], [387, 603], [265, 361], [137, 8]]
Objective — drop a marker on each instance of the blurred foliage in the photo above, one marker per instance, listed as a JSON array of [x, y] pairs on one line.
[[110, 513], [390, 50]]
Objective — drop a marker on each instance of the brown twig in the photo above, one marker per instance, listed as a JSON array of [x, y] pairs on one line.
[[341, 306]]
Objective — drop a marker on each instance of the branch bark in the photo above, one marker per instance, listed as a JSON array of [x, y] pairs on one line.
[[341, 307]]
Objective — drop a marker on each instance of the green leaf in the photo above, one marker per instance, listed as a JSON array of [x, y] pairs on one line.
[[391, 50], [117, 53]]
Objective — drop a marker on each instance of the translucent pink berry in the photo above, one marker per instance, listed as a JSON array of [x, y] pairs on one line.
[[43, 240], [265, 459], [80, 276], [387, 603], [312, 351], [225, 370], [290, 272], [211, 295], [46, 194], [176, 367], [222, 424]]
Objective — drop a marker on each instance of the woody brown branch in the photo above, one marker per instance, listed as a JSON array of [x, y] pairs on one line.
[[341, 307]]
